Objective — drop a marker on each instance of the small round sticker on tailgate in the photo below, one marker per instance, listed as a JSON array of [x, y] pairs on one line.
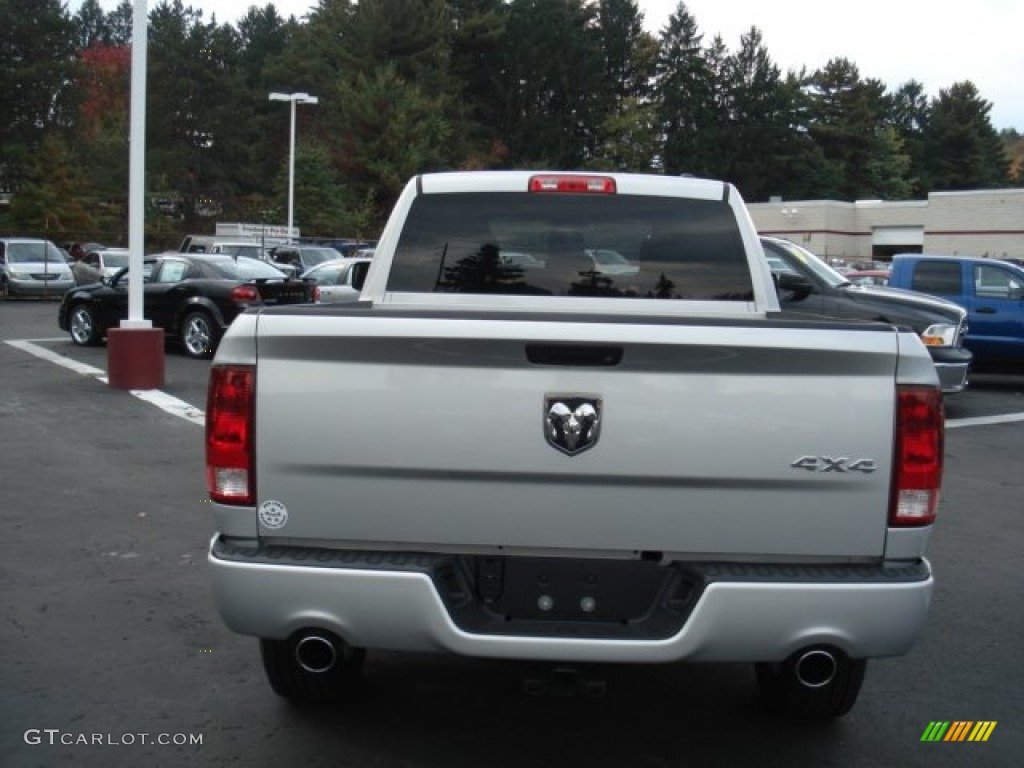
[[273, 514]]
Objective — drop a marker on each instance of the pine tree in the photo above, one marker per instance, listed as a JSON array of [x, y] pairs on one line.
[[551, 62], [964, 149], [684, 96], [624, 135], [37, 70], [908, 115], [762, 111], [52, 198], [850, 121], [393, 131]]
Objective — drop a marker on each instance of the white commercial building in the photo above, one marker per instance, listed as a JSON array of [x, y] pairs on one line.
[[987, 223]]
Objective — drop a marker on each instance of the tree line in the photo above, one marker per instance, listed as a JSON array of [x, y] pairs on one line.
[[407, 86]]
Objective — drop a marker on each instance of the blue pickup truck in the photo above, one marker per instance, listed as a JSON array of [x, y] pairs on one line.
[[991, 291]]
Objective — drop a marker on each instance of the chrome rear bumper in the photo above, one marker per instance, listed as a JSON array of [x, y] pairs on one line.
[[743, 613]]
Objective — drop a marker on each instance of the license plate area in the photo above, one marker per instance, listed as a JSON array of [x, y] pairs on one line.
[[568, 597], [553, 589]]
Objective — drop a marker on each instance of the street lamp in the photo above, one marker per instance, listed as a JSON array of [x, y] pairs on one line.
[[294, 98]]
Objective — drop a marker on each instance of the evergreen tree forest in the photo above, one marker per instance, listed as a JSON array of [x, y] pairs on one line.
[[409, 86]]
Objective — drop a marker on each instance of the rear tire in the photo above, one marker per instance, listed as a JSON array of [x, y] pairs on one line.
[[783, 693], [199, 335], [291, 681]]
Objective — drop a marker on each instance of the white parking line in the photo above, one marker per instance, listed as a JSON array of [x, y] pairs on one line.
[[984, 421], [159, 398], [29, 345]]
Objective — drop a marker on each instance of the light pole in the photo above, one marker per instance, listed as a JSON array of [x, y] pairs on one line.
[[294, 98]]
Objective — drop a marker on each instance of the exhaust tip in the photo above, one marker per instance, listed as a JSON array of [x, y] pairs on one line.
[[816, 668], [315, 653]]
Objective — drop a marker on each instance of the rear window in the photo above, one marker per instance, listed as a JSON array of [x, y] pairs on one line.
[[626, 246], [937, 277], [311, 256], [244, 268], [115, 260]]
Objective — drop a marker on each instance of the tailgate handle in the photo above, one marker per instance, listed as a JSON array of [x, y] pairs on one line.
[[575, 355]]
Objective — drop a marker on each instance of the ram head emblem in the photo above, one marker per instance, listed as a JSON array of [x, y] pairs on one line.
[[572, 424]]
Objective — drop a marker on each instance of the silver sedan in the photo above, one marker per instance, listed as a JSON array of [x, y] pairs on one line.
[[339, 280]]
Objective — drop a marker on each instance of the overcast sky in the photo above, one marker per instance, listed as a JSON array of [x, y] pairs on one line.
[[890, 40]]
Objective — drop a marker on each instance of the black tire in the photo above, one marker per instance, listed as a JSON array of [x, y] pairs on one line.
[[199, 335], [83, 328], [300, 686], [782, 693]]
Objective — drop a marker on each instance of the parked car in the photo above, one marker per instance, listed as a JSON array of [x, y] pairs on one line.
[[609, 262], [346, 246], [520, 260], [249, 249], [809, 286], [32, 267], [338, 280], [868, 277], [990, 290], [304, 257], [107, 260], [193, 297]]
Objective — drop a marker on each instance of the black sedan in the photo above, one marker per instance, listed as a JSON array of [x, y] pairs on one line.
[[193, 297]]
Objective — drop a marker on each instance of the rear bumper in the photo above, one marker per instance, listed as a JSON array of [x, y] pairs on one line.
[[952, 364], [392, 600]]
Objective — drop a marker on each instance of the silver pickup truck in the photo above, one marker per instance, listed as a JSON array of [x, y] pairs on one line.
[[566, 421]]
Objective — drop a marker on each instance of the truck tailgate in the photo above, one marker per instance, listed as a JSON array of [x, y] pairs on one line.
[[717, 439]]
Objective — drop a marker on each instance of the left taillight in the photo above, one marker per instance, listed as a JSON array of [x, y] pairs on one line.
[[917, 473], [230, 438], [243, 294]]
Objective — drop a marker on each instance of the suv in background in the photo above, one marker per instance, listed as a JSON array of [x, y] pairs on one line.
[[30, 266]]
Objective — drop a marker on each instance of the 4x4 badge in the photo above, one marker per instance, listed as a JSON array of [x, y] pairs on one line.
[[572, 424]]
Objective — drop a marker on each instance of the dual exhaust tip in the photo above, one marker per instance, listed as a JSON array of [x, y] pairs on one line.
[[815, 667], [317, 652]]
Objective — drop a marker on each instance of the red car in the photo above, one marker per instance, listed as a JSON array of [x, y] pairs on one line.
[[868, 277]]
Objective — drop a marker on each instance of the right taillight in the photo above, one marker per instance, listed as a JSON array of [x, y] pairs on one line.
[[917, 473], [230, 412]]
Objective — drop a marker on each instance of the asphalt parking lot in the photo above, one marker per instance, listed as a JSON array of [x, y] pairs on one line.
[[111, 645]]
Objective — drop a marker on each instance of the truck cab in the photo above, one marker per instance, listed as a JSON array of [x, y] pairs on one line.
[[990, 290]]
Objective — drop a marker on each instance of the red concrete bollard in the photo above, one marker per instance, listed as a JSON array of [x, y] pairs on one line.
[[135, 358]]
